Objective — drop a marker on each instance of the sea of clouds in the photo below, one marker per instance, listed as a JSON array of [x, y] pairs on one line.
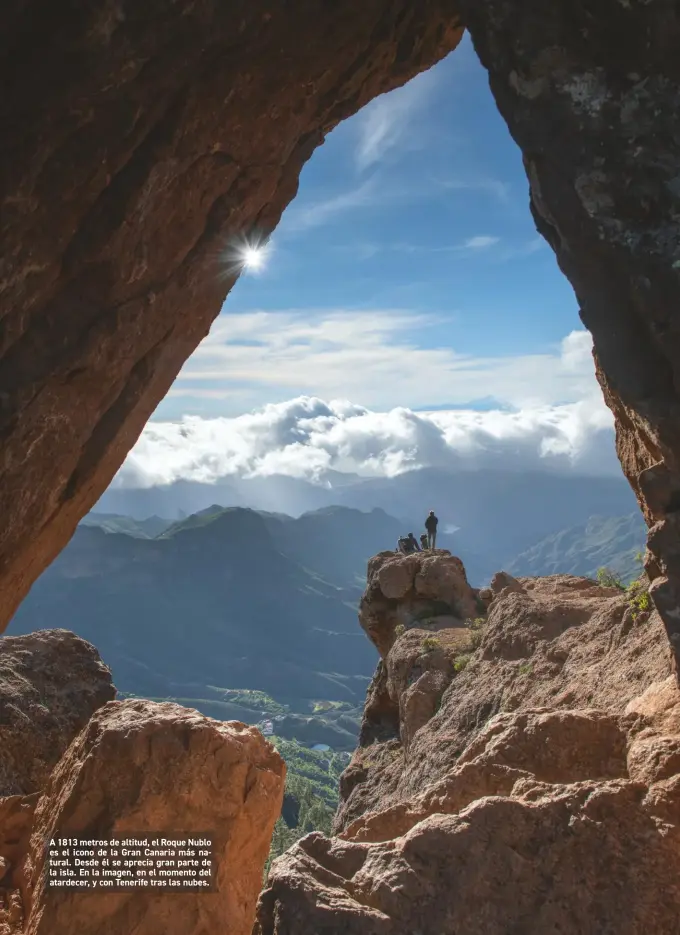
[[306, 437]]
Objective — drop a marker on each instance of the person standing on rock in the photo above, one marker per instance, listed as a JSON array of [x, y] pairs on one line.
[[431, 526]]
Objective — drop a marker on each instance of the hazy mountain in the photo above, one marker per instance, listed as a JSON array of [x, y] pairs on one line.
[[499, 514], [227, 599], [147, 528], [173, 500], [602, 541], [496, 514]]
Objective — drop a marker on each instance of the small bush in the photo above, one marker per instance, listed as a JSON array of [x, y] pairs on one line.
[[430, 643], [525, 669], [461, 662], [476, 628], [638, 598], [606, 578], [400, 629]]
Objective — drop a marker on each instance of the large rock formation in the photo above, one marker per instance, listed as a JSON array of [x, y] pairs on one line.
[[16, 822], [141, 143], [175, 129], [145, 767], [404, 590], [51, 682], [598, 125], [540, 792]]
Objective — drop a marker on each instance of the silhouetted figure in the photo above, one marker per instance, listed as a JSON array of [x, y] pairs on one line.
[[423, 542], [431, 526], [408, 544]]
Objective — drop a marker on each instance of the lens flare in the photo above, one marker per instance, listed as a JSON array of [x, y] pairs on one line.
[[253, 258], [245, 255]]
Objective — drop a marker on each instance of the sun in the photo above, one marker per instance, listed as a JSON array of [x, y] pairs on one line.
[[246, 255], [253, 258]]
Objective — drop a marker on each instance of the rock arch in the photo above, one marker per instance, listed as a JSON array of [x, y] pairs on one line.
[[138, 138]]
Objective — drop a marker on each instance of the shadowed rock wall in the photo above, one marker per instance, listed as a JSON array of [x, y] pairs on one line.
[[591, 94]]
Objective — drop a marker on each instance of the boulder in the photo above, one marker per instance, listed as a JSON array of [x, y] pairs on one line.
[[140, 767], [581, 859], [51, 682], [405, 590], [555, 642], [502, 581], [536, 788]]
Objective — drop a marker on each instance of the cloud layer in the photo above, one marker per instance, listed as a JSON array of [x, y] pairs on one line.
[[305, 437], [380, 359]]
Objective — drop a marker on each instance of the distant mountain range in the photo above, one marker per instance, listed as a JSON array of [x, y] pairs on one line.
[[488, 517], [252, 615], [226, 599], [613, 542]]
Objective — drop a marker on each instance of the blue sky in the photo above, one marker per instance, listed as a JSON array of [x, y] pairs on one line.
[[407, 272]]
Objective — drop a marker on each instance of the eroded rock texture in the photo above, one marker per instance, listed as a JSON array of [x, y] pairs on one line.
[[403, 591], [138, 140], [142, 767], [540, 793], [51, 682], [598, 123], [16, 821]]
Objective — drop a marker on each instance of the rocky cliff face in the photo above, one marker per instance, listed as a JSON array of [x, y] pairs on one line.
[[518, 772], [143, 767], [75, 763], [51, 682]]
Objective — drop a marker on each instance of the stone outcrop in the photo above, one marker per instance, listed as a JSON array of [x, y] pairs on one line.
[[598, 127], [403, 590], [51, 682], [127, 181], [540, 792], [16, 822], [141, 766]]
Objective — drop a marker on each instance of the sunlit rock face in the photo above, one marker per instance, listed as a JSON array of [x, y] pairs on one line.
[[520, 774], [140, 767], [599, 127]]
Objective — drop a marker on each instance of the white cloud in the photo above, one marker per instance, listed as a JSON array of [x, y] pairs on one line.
[[385, 122], [480, 243], [383, 358], [491, 186], [304, 216], [306, 436], [550, 409]]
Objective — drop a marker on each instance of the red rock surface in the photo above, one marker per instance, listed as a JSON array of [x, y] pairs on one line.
[[51, 682], [142, 767], [542, 794], [16, 821], [403, 590]]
